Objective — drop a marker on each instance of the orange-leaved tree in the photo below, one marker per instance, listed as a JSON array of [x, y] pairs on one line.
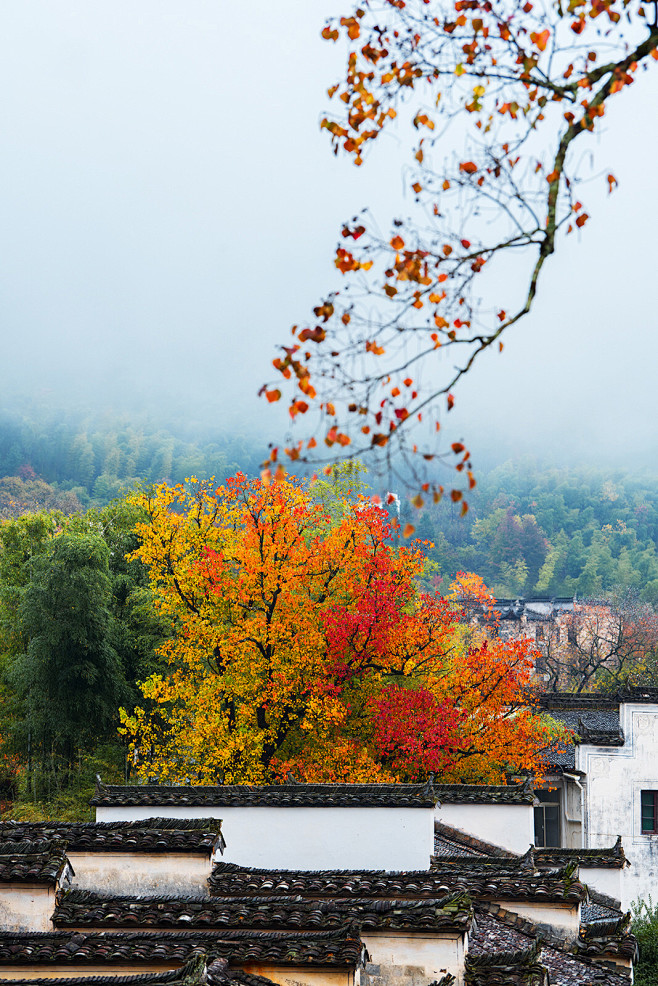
[[499, 101], [299, 640]]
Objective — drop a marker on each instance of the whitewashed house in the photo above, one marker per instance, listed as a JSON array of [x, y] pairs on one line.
[[472, 914], [301, 826], [606, 785], [155, 855]]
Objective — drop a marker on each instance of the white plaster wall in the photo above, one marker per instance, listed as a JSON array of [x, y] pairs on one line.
[[509, 826], [436, 954], [615, 778], [311, 838], [25, 907], [141, 872], [565, 920], [605, 879]]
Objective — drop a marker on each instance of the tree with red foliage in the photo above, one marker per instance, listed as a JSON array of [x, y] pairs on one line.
[[297, 636]]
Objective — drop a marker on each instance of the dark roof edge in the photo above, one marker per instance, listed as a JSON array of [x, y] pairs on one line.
[[269, 795], [485, 794], [470, 842]]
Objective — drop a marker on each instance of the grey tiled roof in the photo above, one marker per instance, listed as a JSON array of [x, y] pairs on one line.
[[152, 835], [195, 972], [593, 718], [339, 947], [485, 794], [449, 841], [509, 880], [84, 908], [269, 795], [608, 939], [522, 967], [612, 858], [32, 862], [496, 935], [561, 756], [600, 907], [593, 911]]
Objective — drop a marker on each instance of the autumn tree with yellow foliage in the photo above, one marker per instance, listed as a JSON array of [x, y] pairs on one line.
[[300, 642]]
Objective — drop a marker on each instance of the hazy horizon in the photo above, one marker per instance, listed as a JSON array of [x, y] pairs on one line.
[[170, 209]]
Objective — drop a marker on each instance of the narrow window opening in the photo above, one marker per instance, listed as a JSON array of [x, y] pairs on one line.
[[649, 809], [547, 819]]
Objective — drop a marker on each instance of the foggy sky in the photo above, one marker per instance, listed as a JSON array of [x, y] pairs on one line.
[[168, 208]]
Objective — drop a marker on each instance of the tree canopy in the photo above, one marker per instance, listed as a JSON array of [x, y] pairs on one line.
[[299, 642], [70, 674], [501, 100]]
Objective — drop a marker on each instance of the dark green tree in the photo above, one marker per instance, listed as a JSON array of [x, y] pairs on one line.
[[69, 678]]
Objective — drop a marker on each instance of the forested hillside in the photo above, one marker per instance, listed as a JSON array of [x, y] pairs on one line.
[[87, 460], [550, 531], [531, 529], [68, 592]]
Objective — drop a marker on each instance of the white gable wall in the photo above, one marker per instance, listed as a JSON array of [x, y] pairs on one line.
[[606, 879], [564, 921], [615, 776], [510, 826], [310, 838]]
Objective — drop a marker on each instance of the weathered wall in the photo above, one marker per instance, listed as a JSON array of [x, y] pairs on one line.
[[311, 838], [412, 959], [563, 921], [25, 907], [300, 976], [141, 872], [509, 826], [615, 778]]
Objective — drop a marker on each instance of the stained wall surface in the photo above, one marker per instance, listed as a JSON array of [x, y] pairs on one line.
[[26, 908], [141, 872], [413, 958], [615, 778]]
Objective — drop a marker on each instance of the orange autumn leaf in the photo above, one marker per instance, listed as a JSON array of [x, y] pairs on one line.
[[540, 39], [306, 619]]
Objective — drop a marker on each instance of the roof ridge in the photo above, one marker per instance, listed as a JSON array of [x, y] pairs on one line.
[[153, 822], [75, 894], [27, 847], [287, 794]]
